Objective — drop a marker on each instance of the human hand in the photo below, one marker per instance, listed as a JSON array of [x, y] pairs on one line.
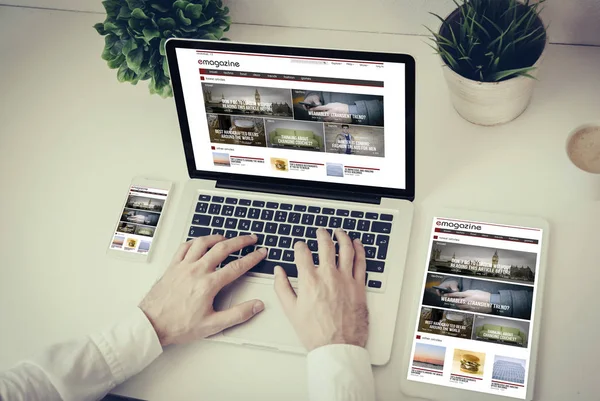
[[312, 99], [180, 304], [330, 306], [452, 285], [338, 112], [474, 300]]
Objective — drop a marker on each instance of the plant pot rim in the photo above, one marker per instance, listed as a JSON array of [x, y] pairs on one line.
[[486, 83]]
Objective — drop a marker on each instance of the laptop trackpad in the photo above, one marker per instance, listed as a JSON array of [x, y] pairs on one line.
[[271, 326]]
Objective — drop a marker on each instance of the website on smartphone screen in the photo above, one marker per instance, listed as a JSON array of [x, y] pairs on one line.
[[292, 117], [475, 318], [139, 219]]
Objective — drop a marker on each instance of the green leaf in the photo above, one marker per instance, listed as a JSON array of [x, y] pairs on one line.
[[124, 14], [165, 66], [110, 40], [181, 4], [107, 55], [204, 23], [129, 46], [112, 7], [116, 62], [193, 11], [99, 27], [110, 27], [161, 49], [138, 14], [167, 23], [134, 59], [150, 34], [133, 4], [182, 18], [160, 7], [126, 75], [509, 73]]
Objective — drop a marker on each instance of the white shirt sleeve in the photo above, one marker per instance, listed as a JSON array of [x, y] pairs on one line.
[[85, 369], [340, 372]]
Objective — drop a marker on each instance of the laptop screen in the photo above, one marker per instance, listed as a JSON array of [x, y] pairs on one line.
[[301, 118]]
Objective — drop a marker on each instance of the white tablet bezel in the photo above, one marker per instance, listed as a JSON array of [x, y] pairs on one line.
[[134, 256], [443, 393]]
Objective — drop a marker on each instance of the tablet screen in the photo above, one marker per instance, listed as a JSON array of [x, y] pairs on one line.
[[476, 311]]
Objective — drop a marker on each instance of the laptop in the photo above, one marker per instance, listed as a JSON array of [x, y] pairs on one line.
[[280, 141]]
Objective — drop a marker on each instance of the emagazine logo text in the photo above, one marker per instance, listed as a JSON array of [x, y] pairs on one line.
[[456, 226], [219, 63]]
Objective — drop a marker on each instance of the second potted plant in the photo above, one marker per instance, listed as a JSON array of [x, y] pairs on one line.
[[492, 50]]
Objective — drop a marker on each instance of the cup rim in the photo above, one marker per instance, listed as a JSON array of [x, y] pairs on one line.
[[593, 124]]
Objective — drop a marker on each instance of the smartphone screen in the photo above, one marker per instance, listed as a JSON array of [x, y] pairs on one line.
[[139, 220]]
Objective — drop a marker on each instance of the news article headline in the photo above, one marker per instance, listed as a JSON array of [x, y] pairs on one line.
[[484, 267], [356, 145], [229, 134], [479, 304], [336, 115], [443, 326]]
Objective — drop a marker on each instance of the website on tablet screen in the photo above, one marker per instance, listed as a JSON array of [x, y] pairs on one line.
[[476, 313]]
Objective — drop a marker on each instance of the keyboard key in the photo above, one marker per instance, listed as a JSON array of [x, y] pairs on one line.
[[229, 259], [248, 249], [244, 233], [374, 284], [382, 241], [379, 227], [285, 206], [231, 223], [267, 215], [200, 220], [281, 216], [258, 203], [335, 222], [198, 231], [214, 209], [313, 245], [297, 240], [330, 231], [271, 228], [227, 210], [272, 205], [260, 239], [349, 224], [370, 252], [368, 239], [244, 225], [314, 209], [311, 232], [386, 217], [327, 210], [376, 266], [354, 235], [294, 218], [275, 254], [218, 199], [254, 213], [315, 257], [230, 234], [321, 221], [363, 225], [205, 198], [218, 231], [285, 242], [337, 249], [372, 216], [288, 255], [201, 207], [189, 239], [366, 278], [299, 208], [284, 229], [218, 221], [268, 267], [258, 226], [308, 219], [298, 231], [271, 240], [342, 212], [240, 211], [231, 201], [357, 214], [245, 202]]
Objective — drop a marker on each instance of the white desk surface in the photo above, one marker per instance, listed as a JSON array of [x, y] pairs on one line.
[[72, 138]]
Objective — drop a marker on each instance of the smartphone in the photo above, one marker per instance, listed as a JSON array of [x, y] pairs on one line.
[[443, 290], [139, 220]]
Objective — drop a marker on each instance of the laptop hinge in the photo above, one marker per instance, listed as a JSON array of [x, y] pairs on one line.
[[295, 191]]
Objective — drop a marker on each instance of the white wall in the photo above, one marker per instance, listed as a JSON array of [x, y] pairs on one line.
[[571, 21]]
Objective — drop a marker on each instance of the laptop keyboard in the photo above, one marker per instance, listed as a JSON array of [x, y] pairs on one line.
[[280, 225]]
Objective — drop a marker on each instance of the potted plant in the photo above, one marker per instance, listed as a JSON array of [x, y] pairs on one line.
[[135, 32], [493, 49]]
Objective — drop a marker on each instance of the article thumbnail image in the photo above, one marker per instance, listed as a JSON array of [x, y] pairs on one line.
[[279, 164], [144, 247], [501, 331], [145, 203], [492, 263], [247, 100], [481, 296], [468, 362], [297, 135], [126, 228], [118, 241], [354, 140], [343, 108], [509, 369], [429, 356], [335, 169], [140, 217], [221, 159], [236, 130], [145, 231], [446, 323]]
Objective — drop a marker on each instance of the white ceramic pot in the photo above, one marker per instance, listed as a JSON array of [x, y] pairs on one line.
[[491, 103]]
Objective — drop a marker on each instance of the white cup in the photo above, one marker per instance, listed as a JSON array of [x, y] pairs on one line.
[[583, 148]]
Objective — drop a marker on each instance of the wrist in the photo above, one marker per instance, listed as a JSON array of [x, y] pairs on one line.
[[160, 333]]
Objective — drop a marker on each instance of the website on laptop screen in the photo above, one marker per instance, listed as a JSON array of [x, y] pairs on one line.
[[476, 314], [329, 120]]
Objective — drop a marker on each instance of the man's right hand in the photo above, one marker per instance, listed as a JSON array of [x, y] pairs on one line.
[[450, 284], [330, 306], [312, 99]]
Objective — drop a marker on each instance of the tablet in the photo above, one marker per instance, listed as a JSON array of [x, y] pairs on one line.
[[476, 321]]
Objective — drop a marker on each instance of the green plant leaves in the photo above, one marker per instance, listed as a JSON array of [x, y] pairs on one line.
[[193, 11], [135, 58], [166, 23], [512, 73], [138, 14], [133, 4], [150, 33], [183, 19]]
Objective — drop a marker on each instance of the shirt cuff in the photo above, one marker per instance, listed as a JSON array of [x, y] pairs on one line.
[[129, 346], [340, 372]]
